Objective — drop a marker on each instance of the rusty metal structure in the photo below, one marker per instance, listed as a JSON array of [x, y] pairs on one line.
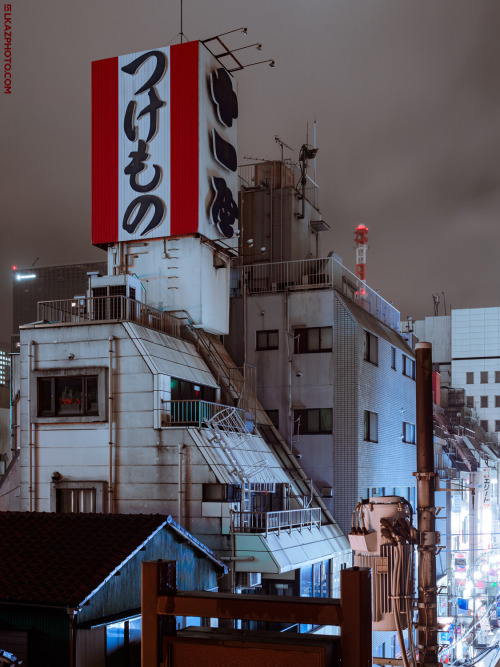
[[163, 645]]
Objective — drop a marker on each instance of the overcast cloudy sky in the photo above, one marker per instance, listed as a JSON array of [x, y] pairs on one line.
[[407, 99]]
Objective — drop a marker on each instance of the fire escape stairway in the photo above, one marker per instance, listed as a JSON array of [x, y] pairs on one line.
[[235, 391]]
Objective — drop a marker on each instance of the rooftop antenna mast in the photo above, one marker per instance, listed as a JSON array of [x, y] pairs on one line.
[[282, 145]]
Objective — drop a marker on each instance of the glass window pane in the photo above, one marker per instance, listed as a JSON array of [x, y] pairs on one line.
[[326, 424], [313, 339], [306, 581], [261, 340], [317, 580], [273, 340], [69, 395], [92, 406], [326, 338], [313, 421], [45, 406]]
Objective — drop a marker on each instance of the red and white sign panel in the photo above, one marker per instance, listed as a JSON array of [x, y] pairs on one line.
[[163, 146]]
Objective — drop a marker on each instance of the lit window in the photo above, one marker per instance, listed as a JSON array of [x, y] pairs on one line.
[[313, 339], [267, 340], [76, 395], [371, 348], [370, 426]]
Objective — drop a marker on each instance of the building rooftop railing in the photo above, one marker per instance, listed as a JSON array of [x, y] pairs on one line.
[[265, 522], [82, 310], [307, 274]]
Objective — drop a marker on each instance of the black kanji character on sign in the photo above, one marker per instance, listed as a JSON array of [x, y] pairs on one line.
[[224, 152], [160, 69], [224, 210], [144, 203], [224, 96], [136, 166]]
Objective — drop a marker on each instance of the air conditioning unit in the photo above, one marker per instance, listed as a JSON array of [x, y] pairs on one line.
[[249, 579]]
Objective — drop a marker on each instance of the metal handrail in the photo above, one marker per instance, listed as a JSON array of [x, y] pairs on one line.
[[203, 414], [253, 522], [104, 308], [320, 273]]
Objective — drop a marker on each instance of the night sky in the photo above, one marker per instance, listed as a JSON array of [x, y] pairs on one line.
[[406, 94]]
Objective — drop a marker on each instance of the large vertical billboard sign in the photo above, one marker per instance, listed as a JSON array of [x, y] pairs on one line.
[[164, 141]]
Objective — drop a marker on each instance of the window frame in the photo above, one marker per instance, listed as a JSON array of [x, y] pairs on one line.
[[484, 401], [303, 427], [371, 348], [484, 377], [83, 373], [408, 365], [394, 362], [302, 343], [267, 346], [99, 487], [409, 433], [370, 424], [469, 377]]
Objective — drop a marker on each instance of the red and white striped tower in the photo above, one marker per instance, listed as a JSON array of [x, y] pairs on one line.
[[361, 238]]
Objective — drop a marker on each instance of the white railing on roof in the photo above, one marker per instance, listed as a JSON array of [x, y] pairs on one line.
[[264, 522], [309, 274], [82, 310]]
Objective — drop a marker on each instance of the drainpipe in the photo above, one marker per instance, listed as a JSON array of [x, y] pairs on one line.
[[30, 426], [71, 613], [179, 486], [111, 508]]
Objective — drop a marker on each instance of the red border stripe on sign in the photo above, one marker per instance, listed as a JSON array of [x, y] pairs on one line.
[[184, 112], [105, 151]]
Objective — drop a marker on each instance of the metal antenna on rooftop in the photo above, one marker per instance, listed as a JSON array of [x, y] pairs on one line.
[[282, 145]]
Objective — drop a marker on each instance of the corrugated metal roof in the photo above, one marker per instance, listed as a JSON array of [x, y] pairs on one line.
[[171, 356]]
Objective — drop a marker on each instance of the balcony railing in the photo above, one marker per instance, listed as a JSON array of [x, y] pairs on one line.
[[314, 274], [264, 522], [104, 308], [203, 414]]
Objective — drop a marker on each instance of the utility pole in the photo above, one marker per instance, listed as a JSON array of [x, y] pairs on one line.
[[428, 539]]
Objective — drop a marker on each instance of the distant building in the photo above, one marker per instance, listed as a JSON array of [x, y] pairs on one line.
[[46, 283]]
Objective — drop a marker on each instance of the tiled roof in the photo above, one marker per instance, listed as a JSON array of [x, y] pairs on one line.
[[60, 559]]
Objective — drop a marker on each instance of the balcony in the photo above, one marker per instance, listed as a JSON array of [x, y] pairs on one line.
[[203, 414], [83, 310], [266, 522], [308, 274]]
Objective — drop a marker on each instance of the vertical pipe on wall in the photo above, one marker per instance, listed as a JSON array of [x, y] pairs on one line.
[[179, 487], [111, 507], [30, 426]]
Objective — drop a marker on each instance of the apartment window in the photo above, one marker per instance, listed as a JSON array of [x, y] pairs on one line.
[[497, 401], [78, 496], [313, 422], [68, 396], [371, 348], [484, 401], [313, 339], [469, 378], [267, 340], [497, 425], [484, 377], [393, 358], [470, 401], [274, 416], [370, 426], [497, 377], [408, 367], [409, 433], [484, 425]]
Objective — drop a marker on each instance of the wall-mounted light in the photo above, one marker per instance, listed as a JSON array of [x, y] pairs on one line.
[[25, 276]]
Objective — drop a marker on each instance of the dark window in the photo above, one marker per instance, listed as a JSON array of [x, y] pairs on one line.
[[484, 425], [484, 377], [221, 493], [370, 426], [393, 358], [313, 339], [408, 367], [182, 390], [267, 340], [497, 401], [497, 377], [371, 348], [68, 396], [313, 422], [409, 433], [497, 425], [484, 401], [274, 416], [470, 401], [469, 378]]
